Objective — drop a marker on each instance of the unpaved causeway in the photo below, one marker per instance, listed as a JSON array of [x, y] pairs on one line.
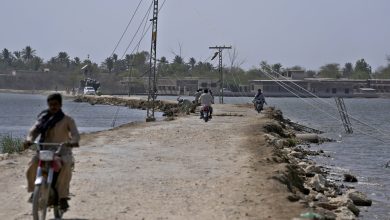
[[181, 169]]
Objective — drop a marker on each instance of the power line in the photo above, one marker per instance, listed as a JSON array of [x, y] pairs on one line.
[[325, 102], [124, 32], [333, 117], [139, 27]]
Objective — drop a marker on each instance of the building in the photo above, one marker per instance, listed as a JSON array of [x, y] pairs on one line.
[[182, 86], [322, 87], [279, 88], [380, 85]]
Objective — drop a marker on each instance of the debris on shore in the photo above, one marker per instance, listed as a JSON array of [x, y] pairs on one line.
[[307, 181]]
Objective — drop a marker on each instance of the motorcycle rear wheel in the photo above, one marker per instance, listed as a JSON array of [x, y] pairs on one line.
[[40, 200]]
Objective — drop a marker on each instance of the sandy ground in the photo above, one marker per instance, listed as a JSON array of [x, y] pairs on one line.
[[182, 169]]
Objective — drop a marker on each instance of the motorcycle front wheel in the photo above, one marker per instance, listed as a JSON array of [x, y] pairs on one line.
[[40, 200]]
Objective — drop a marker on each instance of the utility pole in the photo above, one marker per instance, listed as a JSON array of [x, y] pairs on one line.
[[129, 76], [220, 70], [152, 73]]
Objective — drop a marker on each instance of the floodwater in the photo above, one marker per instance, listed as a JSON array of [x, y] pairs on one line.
[[18, 112], [363, 153]]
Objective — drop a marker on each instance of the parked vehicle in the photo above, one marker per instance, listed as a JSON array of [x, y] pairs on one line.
[[45, 195], [88, 90]]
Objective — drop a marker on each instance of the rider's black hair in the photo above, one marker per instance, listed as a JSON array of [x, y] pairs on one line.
[[55, 96], [206, 91]]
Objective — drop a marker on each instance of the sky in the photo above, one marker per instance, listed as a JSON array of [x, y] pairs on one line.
[[309, 33]]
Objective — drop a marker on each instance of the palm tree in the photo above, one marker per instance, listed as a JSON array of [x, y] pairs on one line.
[[17, 54], [192, 62], [178, 60], [109, 63], [7, 56], [28, 53], [76, 61], [115, 57], [63, 58]]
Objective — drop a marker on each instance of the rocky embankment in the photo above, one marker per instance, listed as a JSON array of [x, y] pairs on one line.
[[169, 108], [308, 182]]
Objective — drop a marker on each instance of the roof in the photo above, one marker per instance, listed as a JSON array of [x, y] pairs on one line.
[[278, 80]]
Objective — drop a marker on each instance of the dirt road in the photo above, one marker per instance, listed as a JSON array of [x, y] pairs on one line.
[[182, 169]]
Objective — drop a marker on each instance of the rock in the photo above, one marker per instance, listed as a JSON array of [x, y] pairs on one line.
[[321, 198], [327, 206], [303, 164], [296, 154], [293, 198], [353, 208], [331, 193], [359, 199], [327, 215], [313, 169], [345, 202], [350, 178], [345, 214], [318, 183], [311, 138]]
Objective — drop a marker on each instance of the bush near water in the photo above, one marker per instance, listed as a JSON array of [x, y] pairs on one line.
[[10, 144]]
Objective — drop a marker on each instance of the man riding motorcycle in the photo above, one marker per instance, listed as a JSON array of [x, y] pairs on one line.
[[259, 99], [206, 100], [53, 126]]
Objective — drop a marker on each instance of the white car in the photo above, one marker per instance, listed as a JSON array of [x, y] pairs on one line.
[[88, 90]]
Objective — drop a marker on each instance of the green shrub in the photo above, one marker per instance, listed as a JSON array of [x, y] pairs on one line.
[[9, 144]]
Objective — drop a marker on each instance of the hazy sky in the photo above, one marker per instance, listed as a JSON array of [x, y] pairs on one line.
[[294, 32]]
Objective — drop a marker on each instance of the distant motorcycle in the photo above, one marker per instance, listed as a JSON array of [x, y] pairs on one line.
[[45, 195], [258, 105], [205, 113]]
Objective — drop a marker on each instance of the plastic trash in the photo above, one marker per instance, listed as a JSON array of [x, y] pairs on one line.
[[311, 215]]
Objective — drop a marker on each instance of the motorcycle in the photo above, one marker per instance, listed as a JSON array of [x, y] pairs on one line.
[[258, 105], [45, 195], [205, 113]]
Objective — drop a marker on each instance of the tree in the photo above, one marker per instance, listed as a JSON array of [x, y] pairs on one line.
[[17, 54], [264, 66], [362, 70], [115, 57], [36, 63], [192, 62], [76, 61], [348, 70], [63, 58], [109, 62], [296, 67], [163, 60], [6, 56], [178, 60], [331, 70], [277, 67], [27, 54]]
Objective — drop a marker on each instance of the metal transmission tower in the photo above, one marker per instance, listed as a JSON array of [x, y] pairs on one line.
[[343, 114], [220, 70], [152, 94]]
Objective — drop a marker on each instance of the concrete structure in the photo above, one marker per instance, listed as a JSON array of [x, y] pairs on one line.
[[182, 86], [322, 87], [274, 89]]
